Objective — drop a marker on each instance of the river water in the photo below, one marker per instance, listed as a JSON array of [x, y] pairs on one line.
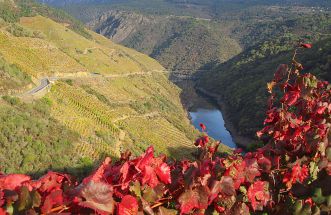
[[203, 110], [213, 119]]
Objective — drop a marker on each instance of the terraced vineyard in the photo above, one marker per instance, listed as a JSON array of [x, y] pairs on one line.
[[86, 105], [109, 97], [159, 133], [36, 57], [86, 115], [138, 106], [97, 150], [97, 55]]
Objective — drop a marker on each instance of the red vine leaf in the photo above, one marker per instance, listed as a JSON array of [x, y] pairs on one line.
[[297, 173], [98, 196], [12, 181], [55, 198], [163, 172], [258, 194], [227, 186], [98, 175], [194, 199], [128, 206], [149, 177], [306, 45], [203, 126]]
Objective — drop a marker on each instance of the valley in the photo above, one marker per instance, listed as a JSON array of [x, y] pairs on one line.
[[165, 107], [133, 91], [229, 49], [100, 97]]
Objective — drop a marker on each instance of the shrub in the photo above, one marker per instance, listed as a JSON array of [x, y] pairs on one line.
[[11, 100]]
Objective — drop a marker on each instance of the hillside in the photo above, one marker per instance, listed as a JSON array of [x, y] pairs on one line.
[[201, 9], [217, 39], [261, 35], [104, 98], [187, 36], [251, 70], [177, 42]]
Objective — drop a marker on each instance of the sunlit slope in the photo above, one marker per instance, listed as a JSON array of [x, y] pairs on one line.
[[97, 55], [143, 60], [112, 97], [114, 114], [36, 57]]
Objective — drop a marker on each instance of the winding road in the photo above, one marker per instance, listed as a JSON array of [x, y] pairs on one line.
[[45, 82]]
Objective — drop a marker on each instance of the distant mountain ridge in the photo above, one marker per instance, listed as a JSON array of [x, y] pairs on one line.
[[210, 3]]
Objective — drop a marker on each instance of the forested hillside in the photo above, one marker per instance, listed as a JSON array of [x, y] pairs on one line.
[[240, 82], [178, 43], [100, 98], [191, 35]]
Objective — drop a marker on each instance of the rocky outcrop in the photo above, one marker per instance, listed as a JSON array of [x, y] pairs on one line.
[[119, 25]]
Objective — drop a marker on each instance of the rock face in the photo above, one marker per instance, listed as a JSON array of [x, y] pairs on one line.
[[119, 25]]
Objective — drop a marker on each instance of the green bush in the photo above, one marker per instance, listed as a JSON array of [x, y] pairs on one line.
[[34, 141], [11, 100]]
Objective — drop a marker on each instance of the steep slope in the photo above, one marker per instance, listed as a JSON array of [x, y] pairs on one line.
[[104, 98], [187, 41], [177, 42], [32, 141]]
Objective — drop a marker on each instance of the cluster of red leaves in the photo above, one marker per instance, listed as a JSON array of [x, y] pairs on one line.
[[237, 184], [296, 174]]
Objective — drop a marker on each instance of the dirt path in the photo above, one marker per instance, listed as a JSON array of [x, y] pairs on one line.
[[147, 115]]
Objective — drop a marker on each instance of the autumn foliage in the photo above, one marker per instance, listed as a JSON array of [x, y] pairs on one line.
[[289, 175]]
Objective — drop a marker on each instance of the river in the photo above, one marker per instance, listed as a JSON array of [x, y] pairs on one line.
[[203, 110], [213, 120]]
